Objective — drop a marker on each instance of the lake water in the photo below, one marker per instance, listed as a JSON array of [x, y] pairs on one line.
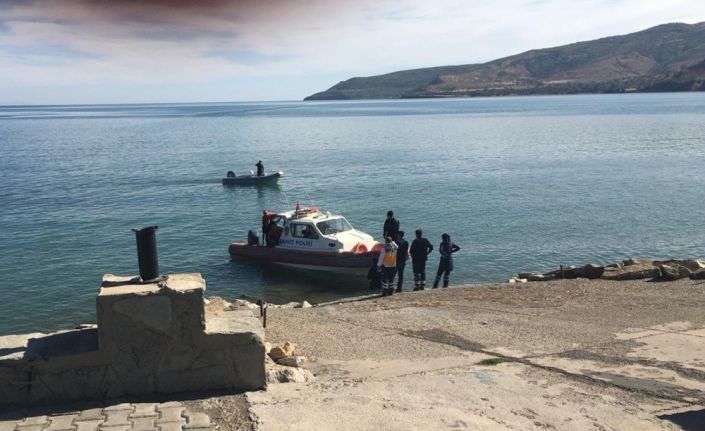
[[521, 184]]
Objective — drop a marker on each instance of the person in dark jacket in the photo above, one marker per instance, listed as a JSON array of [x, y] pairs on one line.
[[445, 266], [420, 249], [391, 226], [260, 168], [266, 224], [402, 256], [374, 275]]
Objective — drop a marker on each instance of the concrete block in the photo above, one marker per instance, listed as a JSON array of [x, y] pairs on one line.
[[144, 410], [118, 407], [91, 415], [144, 423], [170, 414], [170, 404], [116, 418], [88, 425], [35, 420], [29, 427], [196, 420], [150, 339], [127, 427], [62, 422], [6, 425], [171, 426]]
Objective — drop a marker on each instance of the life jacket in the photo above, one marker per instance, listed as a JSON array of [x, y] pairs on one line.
[[390, 257]]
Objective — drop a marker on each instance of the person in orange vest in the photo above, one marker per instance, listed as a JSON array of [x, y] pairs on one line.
[[387, 263]]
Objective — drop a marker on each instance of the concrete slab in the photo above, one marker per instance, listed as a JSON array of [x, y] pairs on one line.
[[683, 348], [362, 396]]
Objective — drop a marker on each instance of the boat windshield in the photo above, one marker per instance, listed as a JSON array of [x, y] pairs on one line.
[[333, 225]]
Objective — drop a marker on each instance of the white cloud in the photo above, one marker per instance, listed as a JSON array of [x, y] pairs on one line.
[[310, 45]]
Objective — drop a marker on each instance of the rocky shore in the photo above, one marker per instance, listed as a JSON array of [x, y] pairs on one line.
[[628, 269]]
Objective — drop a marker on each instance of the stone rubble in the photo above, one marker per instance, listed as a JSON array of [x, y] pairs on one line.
[[627, 269]]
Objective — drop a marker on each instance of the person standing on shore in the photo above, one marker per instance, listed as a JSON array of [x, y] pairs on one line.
[[391, 226], [445, 266], [420, 249], [402, 256], [387, 262], [260, 168], [374, 276]]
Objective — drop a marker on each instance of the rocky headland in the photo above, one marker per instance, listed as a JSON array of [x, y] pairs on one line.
[[669, 57]]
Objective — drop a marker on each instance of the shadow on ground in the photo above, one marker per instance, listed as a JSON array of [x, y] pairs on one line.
[[693, 420]]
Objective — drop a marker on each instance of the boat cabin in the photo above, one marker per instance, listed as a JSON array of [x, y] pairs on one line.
[[311, 229]]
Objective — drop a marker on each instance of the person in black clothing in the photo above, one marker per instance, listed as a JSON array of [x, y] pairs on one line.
[[391, 226], [266, 224], [374, 275], [445, 266], [402, 256], [420, 249], [260, 168]]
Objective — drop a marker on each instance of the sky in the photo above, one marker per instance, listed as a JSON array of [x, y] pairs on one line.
[[164, 51]]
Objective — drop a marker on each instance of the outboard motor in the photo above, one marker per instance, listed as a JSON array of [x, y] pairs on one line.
[[252, 238], [230, 174]]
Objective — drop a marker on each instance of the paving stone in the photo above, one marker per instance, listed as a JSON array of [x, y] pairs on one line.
[[210, 428], [62, 422], [88, 425], [90, 415], [29, 427], [143, 410], [35, 420], [8, 425], [196, 420], [116, 417], [144, 423], [174, 404], [171, 414], [118, 407], [171, 426], [115, 428]]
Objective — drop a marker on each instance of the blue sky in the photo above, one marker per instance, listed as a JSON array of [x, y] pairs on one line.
[[130, 51]]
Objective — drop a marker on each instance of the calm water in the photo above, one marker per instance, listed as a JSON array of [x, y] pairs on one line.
[[520, 184]]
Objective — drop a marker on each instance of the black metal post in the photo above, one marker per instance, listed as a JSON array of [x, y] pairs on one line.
[[147, 253]]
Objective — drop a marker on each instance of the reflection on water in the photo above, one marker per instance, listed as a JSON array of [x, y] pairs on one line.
[[280, 284]]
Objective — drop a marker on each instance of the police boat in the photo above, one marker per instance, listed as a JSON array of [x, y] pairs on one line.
[[312, 240]]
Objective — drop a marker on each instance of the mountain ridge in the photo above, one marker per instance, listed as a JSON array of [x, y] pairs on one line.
[[661, 58]]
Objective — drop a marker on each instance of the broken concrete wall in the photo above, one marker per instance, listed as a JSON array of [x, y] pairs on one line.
[[150, 339]]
